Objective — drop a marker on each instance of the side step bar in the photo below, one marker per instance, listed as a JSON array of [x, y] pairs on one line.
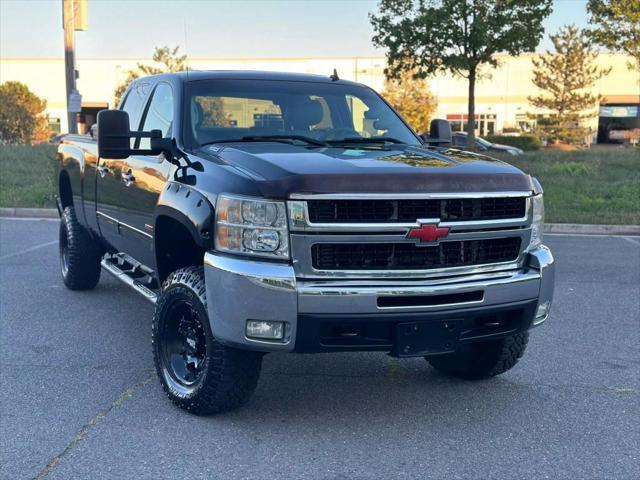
[[114, 270]]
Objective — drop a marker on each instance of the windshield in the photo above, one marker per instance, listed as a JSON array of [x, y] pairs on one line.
[[227, 110], [483, 142]]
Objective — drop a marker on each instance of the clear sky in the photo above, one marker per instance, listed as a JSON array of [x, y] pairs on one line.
[[266, 28]]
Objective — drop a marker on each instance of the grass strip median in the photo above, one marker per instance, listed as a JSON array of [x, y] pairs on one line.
[[598, 186], [27, 175]]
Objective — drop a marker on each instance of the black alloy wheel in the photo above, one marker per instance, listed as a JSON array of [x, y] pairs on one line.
[[183, 346], [197, 372]]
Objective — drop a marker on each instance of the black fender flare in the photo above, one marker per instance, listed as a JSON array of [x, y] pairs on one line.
[[191, 208], [71, 161]]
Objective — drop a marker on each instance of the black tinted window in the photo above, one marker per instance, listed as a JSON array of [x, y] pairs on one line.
[[159, 114], [459, 141], [134, 102]]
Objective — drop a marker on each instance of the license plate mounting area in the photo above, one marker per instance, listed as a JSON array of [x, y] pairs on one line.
[[417, 339]]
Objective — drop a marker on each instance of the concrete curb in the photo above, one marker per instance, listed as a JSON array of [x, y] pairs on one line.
[[14, 212], [586, 229], [578, 229]]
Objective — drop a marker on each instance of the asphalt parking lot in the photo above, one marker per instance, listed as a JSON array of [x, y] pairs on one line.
[[79, 398]]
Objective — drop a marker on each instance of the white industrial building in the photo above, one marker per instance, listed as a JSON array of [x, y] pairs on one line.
[[501, 96]]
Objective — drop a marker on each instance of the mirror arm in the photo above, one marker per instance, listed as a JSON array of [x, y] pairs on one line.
[[173, 154], [151, 134]]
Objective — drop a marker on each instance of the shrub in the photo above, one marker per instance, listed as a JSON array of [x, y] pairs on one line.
[[412, 98], [22, 118], [525, 142]]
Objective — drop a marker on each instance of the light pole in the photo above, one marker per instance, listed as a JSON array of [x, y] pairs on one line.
[[69, 63], [74, 17]]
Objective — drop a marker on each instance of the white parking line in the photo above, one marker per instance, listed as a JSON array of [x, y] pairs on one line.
[[633, 240], [27, 250]]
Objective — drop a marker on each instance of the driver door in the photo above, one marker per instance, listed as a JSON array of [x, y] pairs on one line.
[[146, 176], [110, 180]]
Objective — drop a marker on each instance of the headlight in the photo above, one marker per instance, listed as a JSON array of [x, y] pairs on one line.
[[251, 226], [537, 224]]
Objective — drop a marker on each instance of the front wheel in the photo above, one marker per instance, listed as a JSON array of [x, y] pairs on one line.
[[476, 361], [197, 372]]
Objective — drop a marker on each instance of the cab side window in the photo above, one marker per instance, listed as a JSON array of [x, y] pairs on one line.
[[133, 103], [159, 114]]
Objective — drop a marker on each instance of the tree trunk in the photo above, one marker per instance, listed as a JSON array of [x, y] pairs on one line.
[[471, 122]]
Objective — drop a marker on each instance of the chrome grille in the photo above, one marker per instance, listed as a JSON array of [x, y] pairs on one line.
[[393, 256], [408, 210], [365, 235]]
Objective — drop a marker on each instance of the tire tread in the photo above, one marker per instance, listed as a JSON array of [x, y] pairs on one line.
[[232, 374], [483, 360], [84, 254]]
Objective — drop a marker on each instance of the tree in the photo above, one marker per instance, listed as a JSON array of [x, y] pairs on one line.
[[213, 113], [22, 118], [566, 78], [616, 27], [411, 97], [166, 59], [457, 36]]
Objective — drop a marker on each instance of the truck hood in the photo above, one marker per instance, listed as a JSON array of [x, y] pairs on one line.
[[281, 169]]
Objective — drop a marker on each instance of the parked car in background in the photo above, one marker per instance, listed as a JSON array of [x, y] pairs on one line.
[[57, 139], [459, 140]]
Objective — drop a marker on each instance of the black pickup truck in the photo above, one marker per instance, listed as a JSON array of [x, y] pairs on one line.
[[265, 212]]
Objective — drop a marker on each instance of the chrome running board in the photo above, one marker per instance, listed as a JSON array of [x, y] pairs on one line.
[[114, 269]]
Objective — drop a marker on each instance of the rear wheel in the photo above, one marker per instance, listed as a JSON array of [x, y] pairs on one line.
[[197, 372], [480, 360], [79, 253]]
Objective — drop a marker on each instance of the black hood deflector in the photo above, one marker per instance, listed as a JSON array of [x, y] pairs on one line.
[[281, 169]]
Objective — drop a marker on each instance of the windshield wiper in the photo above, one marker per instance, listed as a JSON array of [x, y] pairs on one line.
[[273, 138], [365, 140], [362, 142]]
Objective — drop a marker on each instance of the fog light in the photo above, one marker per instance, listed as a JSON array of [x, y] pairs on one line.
[[542, 312], [265, 329]]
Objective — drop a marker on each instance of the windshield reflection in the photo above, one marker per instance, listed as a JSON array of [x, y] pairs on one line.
[[234, 110]]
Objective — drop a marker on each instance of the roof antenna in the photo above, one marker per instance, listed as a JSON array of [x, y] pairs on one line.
[[334, 76], [186, 45]]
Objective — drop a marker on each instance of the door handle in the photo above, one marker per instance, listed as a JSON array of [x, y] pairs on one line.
[[103, 170], [128, 179]]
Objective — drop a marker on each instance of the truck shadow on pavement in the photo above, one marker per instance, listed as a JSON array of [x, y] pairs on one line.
[[361, 389], [354, 388]]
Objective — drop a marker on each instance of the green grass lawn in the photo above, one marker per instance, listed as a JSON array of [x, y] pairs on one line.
[[26, 175], [594, 186]]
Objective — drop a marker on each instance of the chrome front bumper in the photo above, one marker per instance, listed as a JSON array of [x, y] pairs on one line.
[[242, 289]]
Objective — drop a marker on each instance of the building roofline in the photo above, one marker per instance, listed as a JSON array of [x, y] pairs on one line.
[[203, 59], [267, 59]]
